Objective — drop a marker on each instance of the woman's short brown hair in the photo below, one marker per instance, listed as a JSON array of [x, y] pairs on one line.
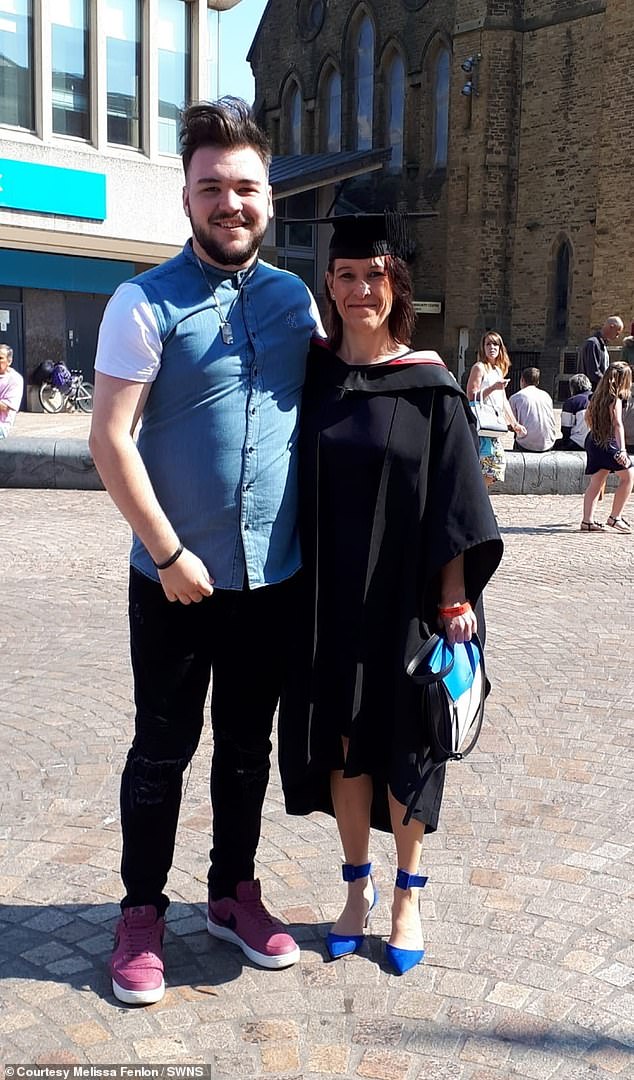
[[402, 316]]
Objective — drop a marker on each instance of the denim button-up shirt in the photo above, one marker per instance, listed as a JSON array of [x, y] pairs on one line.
[[219, 429]]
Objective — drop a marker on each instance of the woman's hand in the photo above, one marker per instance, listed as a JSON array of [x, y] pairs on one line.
[[459, 627], [501, 384], [623, 458]]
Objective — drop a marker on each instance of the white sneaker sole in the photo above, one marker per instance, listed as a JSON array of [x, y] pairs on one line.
[[138, 997], [261, 959]]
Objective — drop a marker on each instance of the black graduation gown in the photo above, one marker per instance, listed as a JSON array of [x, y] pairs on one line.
[[390, 491]]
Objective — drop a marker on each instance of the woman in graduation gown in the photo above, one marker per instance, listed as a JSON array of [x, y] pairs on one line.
[[399, 541]]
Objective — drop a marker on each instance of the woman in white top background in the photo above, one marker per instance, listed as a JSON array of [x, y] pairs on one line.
[[488, 375]]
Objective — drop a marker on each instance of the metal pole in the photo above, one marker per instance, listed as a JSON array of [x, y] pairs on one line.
[[218, 54]]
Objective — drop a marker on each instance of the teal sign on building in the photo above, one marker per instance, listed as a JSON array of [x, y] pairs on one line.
[[48, 189]]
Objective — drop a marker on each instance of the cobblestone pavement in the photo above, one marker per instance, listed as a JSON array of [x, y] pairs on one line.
[[63, 425], [529, 908]]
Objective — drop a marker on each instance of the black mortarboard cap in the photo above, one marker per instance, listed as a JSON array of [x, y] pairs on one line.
[[362, 236]]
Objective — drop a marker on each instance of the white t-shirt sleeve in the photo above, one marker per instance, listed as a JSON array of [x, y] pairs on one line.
[[129, 344]]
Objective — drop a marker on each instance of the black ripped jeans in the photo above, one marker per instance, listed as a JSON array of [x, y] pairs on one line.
[[241, 637]]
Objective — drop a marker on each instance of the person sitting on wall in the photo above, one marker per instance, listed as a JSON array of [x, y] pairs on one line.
[[534, 409], [573, 415], [11, 388]]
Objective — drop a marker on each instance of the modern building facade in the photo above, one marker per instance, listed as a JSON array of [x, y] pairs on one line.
[[511, 118], [90, 95]]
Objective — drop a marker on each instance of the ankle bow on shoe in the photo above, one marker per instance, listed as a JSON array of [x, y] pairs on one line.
[[339, 945], [404, 959]]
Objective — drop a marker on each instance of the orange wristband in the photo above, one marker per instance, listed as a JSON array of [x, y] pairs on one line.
[[458, 609]]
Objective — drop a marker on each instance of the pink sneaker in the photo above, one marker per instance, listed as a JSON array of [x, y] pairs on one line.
[[247, 923], [136, 964]]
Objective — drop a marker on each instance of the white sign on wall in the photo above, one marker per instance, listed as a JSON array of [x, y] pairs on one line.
[[427, 307]]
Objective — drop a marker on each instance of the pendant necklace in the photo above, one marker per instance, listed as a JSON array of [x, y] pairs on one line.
[[226, 331]]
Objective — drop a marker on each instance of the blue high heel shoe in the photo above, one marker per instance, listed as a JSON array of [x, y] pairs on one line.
[[346, 944], [404, 959]]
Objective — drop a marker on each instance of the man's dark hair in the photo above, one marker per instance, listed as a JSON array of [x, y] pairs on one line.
[[227, 123], [530, 376]]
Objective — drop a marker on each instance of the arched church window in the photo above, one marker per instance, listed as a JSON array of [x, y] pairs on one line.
[[441, 109], [332, 113], [562, 291], [364, 84], [294, 107], [395, 82]]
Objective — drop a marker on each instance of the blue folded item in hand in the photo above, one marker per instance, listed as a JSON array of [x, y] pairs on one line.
[[455, 679]]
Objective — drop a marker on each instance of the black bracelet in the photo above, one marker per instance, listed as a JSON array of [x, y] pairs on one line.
[[172, 559]]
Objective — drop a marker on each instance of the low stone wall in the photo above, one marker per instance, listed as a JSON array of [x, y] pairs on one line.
[[47, 463], [67, 463], [556, 472]]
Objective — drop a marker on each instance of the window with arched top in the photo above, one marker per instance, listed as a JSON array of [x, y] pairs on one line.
[[364, 84], [331, 113], [561, 298], [294, 120], [395, 83], [442, 72]]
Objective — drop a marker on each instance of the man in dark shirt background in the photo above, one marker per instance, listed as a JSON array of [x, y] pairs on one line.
[[594, 356]]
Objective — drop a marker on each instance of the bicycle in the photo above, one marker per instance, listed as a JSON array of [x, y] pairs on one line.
[[74, 392]]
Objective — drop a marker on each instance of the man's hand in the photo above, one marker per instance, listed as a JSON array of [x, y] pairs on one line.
[[186, 580]]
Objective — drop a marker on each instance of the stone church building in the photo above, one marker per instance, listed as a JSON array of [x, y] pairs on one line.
[[512, 119]]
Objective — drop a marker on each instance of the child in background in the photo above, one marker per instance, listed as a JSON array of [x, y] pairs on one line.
[[606, 448]]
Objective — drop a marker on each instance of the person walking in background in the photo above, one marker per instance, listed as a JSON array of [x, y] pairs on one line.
[[627, 351], [606, 448], [574, 429], [533, 408], [594, 356], [11, 390], [488, 378], [210, 349], [399, 540]]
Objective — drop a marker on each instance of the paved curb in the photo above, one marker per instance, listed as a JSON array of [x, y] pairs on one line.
[[48, 463]]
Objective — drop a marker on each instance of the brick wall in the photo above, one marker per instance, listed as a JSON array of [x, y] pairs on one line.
[[613, 277], [542, 156]]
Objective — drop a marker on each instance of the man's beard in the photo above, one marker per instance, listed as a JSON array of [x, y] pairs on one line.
[[238, 256]]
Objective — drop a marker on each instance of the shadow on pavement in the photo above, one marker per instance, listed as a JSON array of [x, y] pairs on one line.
[[71, 944]]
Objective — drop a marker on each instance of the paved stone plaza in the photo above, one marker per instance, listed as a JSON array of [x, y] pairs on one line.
[[529, 909]]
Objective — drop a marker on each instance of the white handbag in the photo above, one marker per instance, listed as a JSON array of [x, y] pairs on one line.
[[490, 423]]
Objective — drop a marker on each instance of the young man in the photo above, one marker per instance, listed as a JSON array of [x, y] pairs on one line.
[[209, 349], [11, 389], [534, 409]]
